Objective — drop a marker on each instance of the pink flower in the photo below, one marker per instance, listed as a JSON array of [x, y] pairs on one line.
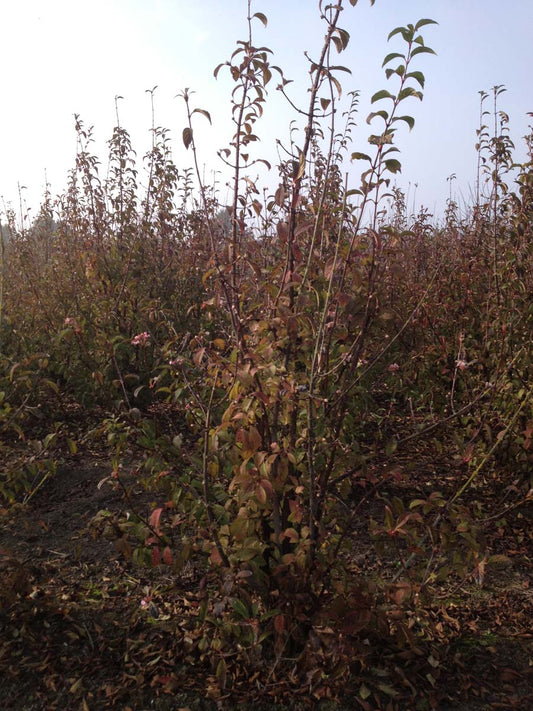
[[461, 364], [73, 324], [393, 367], [141, 339]]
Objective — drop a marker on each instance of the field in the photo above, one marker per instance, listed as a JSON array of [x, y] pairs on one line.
[[278, 451]]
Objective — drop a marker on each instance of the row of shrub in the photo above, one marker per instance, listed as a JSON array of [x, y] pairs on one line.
[[261, 358]]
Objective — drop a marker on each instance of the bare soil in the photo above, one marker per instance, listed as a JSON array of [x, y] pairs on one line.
[[82, 627]]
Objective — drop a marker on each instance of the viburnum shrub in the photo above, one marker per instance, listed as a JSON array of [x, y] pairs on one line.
[[272, 383], [100, 266], [459, 300]]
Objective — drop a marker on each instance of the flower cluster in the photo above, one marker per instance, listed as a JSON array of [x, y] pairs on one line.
[[141, 339]]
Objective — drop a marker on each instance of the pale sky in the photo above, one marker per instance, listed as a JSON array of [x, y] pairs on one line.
[[61, 57]]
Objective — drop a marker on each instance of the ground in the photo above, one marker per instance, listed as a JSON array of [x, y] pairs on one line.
[[82, 627]]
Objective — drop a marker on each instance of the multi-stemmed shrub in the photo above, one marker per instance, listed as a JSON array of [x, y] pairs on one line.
[[274, 385]]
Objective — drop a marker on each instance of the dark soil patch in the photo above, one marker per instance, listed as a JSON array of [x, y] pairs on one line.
[[83, 628]]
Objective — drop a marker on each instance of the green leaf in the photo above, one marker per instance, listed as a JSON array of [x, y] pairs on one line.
[[337, 84], [421, 23], [393, 165], [418, 76], [261, 17], [409, 91], [406, 32], [221, 673], [325, 103], [342, 39], [391, 446], [422, 50], [364, 692], [49, 439], [245, 554], [382, 114], [204, 113], [383, 94], [387, 689], [187, 137], [340, 68], [338, 44], [400, 71], [50, 383], [361, 156], [409, 120], [391, 56], [240, 608], [395, 31]]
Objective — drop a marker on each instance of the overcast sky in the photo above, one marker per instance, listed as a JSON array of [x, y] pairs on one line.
[[61, 57]]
